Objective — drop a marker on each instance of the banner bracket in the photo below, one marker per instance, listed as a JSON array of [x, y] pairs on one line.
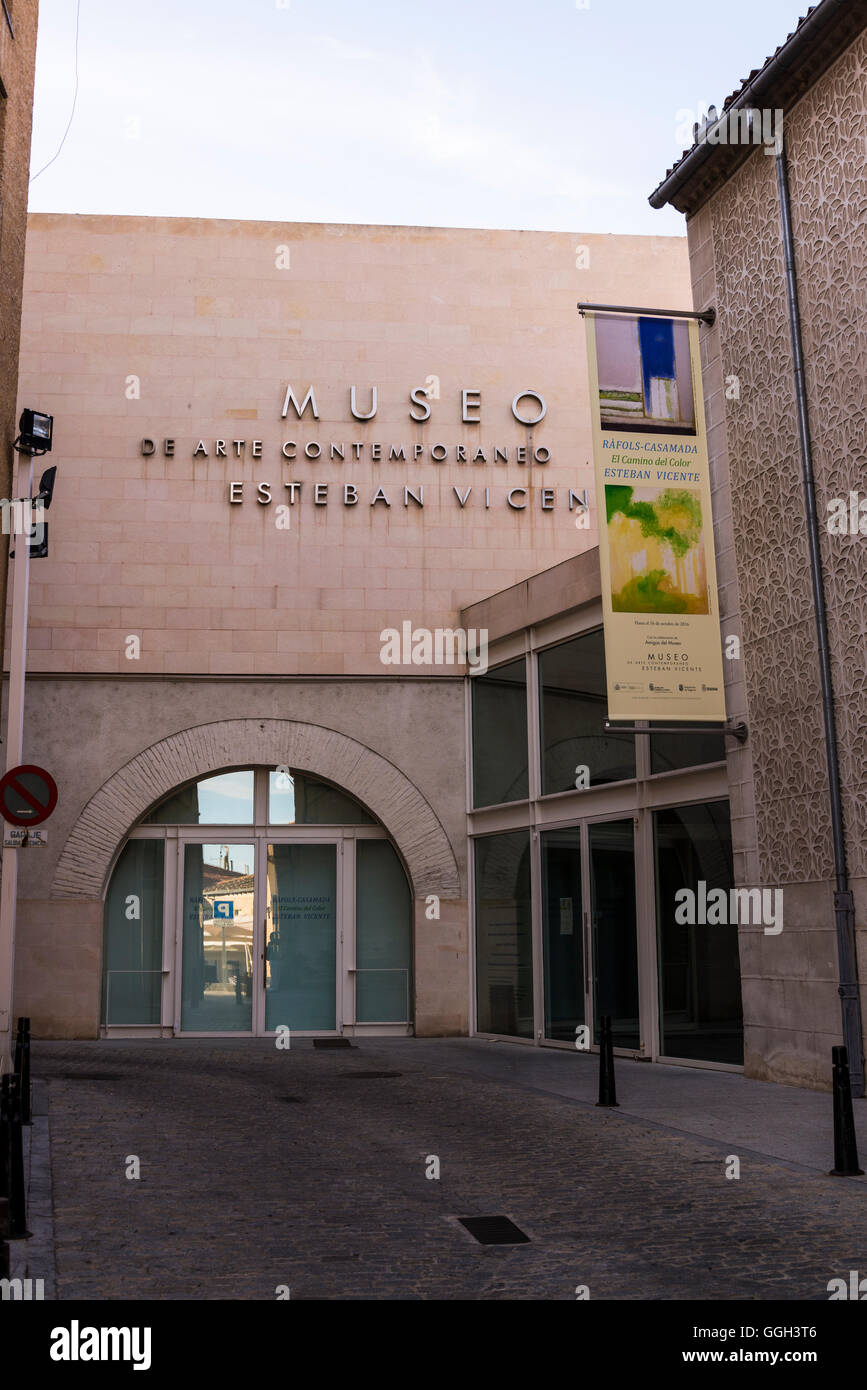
[[707, 316], [738, 731]]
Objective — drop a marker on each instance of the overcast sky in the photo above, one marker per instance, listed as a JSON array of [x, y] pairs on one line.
[[555, 114]]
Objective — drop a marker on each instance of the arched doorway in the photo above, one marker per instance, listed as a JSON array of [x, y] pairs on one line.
[[255, 900]]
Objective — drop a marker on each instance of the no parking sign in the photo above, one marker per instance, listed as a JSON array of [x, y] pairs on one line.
[[28, 795]]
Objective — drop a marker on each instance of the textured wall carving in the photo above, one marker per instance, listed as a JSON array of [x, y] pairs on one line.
[[377, 783], [825, 138]]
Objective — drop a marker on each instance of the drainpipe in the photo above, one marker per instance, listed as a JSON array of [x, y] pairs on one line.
[[844, 902]]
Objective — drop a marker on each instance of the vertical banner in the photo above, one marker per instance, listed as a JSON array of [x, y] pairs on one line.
[[661, 612]]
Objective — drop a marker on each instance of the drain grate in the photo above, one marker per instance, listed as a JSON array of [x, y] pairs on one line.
[[331, 1042], [494, 1230], [370, 1075], [291, 1100]]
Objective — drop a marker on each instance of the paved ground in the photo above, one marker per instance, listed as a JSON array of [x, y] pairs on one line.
[[262, 1168]]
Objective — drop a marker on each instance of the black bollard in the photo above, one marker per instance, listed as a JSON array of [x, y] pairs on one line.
[[21, 1065], [607, 1093], [12, 1163], [845, 1142]]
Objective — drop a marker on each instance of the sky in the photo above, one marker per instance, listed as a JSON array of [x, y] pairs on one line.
[[559, 115]]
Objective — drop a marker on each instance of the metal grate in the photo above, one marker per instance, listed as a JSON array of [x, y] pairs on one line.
[[494, 1230], [331, 1042]]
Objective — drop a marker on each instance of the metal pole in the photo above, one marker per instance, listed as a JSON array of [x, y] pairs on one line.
[[844, 901], [14, 751], [707, 316]]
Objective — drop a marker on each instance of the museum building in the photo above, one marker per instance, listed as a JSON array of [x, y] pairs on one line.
[[316, 654]]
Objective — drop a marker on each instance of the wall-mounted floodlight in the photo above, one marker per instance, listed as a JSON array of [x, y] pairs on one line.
[[34, 432]]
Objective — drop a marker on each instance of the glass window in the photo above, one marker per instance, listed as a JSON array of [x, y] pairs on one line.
[[699, 970], [503, 939], [133, 943], [500, 735], [562, 933], [297, 800], [670, 751], [226, 799], [383, 936], [574, 708]]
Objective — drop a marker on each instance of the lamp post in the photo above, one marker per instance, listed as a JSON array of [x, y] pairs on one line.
[[34, 439]]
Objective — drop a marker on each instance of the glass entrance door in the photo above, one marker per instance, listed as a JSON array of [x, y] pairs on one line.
[[589, 930], [300, 956], [614, 930], [218, 938], [259, 936]]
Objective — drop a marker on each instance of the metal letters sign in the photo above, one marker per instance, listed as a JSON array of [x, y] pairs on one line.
[[661, 613]]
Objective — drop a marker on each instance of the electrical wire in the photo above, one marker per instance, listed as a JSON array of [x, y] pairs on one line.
[[74, 100]]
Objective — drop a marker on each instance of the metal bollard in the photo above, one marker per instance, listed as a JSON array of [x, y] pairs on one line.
[[21, 1065], [845, 1142], [12, 1160], [607, 1093]]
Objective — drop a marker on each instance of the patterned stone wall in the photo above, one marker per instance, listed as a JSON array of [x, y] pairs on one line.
[[780, 804]]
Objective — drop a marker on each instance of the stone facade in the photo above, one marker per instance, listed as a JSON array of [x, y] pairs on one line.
[[779, 780]]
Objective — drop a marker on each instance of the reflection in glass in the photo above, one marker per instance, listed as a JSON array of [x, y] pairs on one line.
[[217, 974], [670, 751], [382, 935], [699, 970], [500, 735], [615, 943], [574, 707], [562, 933], [294, 799], [226, 799], [503, 939], [301, 938], [133, 954]]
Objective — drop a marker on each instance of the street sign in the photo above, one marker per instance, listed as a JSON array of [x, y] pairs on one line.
[[20, 837], [28, 795], [224, 907]]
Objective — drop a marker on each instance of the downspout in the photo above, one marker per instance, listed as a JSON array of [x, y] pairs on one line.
[[844, 902]]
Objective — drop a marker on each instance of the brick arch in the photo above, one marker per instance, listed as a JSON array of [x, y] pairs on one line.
[[121, 802]]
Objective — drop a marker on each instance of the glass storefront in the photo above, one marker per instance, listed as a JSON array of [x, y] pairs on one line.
[[293, 911], [607, 854]]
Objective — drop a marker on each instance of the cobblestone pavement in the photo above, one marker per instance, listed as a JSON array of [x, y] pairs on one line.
[[262, 1168]]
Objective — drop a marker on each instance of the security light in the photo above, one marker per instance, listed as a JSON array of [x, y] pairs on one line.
[[46, 487], [34, 432]]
